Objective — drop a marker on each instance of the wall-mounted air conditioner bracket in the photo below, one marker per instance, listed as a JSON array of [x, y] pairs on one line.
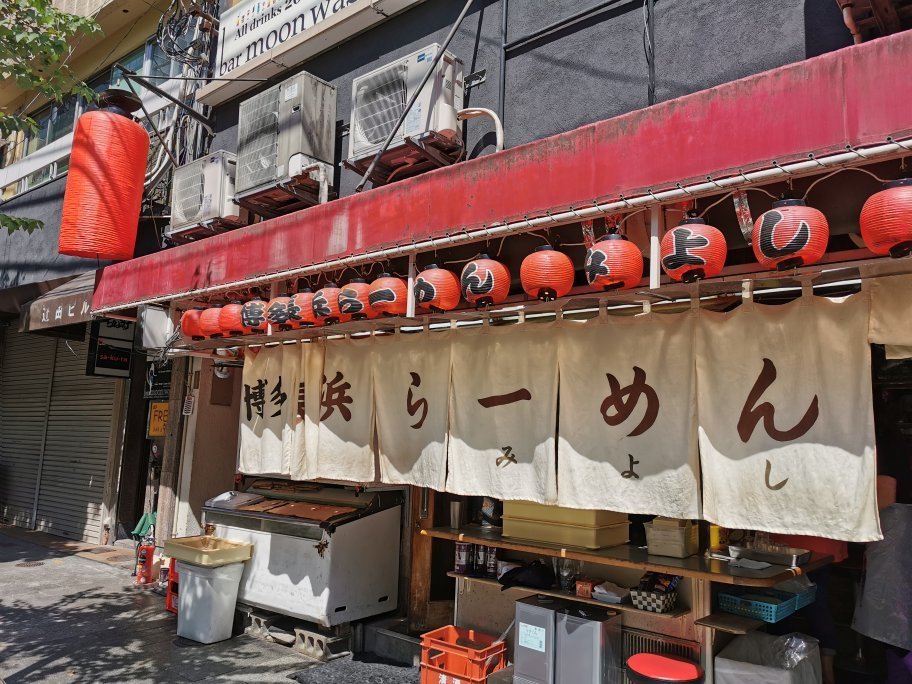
[[291, 194], [186, 234], [422, 153]]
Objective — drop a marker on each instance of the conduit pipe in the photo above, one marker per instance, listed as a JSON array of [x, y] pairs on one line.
[[848, 16], [852, 157], [474, 112]]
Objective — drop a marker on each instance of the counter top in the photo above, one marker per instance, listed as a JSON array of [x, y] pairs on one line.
[[632, 557]]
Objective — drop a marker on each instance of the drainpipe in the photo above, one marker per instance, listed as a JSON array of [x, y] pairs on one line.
[[848, 17]]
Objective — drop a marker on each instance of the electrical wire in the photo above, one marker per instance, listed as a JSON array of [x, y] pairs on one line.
[[829, 175]]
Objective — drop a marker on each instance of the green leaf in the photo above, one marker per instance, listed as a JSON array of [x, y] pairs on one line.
[[13, 224]]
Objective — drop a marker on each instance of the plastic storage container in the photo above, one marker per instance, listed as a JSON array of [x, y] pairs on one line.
[[528, 510], [208, 551], [206, 601], [567, 535], [752, 659], [676, 541], [452, 655]]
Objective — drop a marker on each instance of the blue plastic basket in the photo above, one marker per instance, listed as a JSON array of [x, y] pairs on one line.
[[806, 598], [768, 612]]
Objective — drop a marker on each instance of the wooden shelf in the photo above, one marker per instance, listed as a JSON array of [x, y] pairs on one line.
[[619, 607], [696, 567], [727, 622]]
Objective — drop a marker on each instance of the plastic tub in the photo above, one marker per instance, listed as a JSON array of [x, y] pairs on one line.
[[452, 655], [678, 541], [568, 535], [528, 510], [206, 601]]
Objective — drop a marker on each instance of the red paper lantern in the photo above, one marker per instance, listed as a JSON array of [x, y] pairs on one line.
[[326, 305], [190, 323], [277, 312], [300, 309], [789, 235], [485, 282], [210, 323], [230, 320], [693, 250], [253, 316], [354, 300], [104, 186], [389, 295], [546, 274], [614, 263], [886, 219], [437, 289]]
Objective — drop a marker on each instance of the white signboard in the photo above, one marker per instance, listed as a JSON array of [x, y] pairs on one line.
[[253, 27]]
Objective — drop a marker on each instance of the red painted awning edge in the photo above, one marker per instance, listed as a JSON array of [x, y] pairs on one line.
[[853, 97]]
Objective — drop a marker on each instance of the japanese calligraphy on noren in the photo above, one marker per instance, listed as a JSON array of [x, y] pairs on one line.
[[412, 406], [504, 399], [778, 485], [507, 457], [335, 396], [255, 398], [620, 403], [630, 472], [751, 414]]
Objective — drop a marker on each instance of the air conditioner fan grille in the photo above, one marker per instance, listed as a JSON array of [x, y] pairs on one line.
[[380, 102]]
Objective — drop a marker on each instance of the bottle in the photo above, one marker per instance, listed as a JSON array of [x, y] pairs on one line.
[[481, 560], [491, 564]]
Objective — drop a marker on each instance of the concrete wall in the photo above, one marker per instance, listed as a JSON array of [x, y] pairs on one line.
[[592, 70]]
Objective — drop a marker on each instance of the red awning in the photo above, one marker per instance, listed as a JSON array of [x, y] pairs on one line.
[[857, 96]]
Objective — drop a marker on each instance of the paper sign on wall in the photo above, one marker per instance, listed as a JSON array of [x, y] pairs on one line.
[[412, 384], [786, 420], [628, 437], [503, 406]]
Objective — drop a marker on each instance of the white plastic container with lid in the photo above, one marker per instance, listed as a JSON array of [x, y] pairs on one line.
[[206, 601]]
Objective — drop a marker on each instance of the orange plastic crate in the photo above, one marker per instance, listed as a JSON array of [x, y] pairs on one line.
[[452, 655]]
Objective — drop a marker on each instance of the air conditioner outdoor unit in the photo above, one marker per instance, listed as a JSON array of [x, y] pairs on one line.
[[379, 98], [202, 194], [286, 145]]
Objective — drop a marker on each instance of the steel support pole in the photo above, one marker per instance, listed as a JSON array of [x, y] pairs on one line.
[[656, 219], [412, 273]]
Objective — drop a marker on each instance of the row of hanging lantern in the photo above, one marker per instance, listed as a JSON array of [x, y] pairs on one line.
[[789, 235]]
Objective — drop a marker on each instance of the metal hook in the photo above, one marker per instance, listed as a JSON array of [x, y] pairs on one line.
[[683, 189], [553, 220], [626, 203], [714, 182], [652, 194], [779, 166], [857, 153], [744, 176], [814, 159]]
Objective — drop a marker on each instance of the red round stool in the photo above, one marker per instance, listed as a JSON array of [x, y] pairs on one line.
[[650, 668]]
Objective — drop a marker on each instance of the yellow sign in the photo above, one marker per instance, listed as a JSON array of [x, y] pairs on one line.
[[158, 419]]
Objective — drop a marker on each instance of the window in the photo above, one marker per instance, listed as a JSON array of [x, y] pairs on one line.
[[134, 62]]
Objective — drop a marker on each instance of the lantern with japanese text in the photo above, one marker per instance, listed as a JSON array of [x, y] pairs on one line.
[[326, 305], [190, 323], [693, 250], [613, 263], [789, 235], [485, 282], [104, 189], [277, 312], [253, 316], [437, 289], [886, 219], [230, 320], [210, 321], [300, 309], [354, 300], [546, 274], [389, 295]]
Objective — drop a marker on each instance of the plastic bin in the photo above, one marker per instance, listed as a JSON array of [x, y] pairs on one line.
[[206, 601], [751, 659], [528, 510], [678, 541], [567, 535], [452, 655]]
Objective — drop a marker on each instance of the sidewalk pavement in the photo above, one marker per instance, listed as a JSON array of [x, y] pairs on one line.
[[66, 617]]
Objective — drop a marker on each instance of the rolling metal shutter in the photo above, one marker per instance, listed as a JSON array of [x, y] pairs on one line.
[[25, 381], [76, 439]]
